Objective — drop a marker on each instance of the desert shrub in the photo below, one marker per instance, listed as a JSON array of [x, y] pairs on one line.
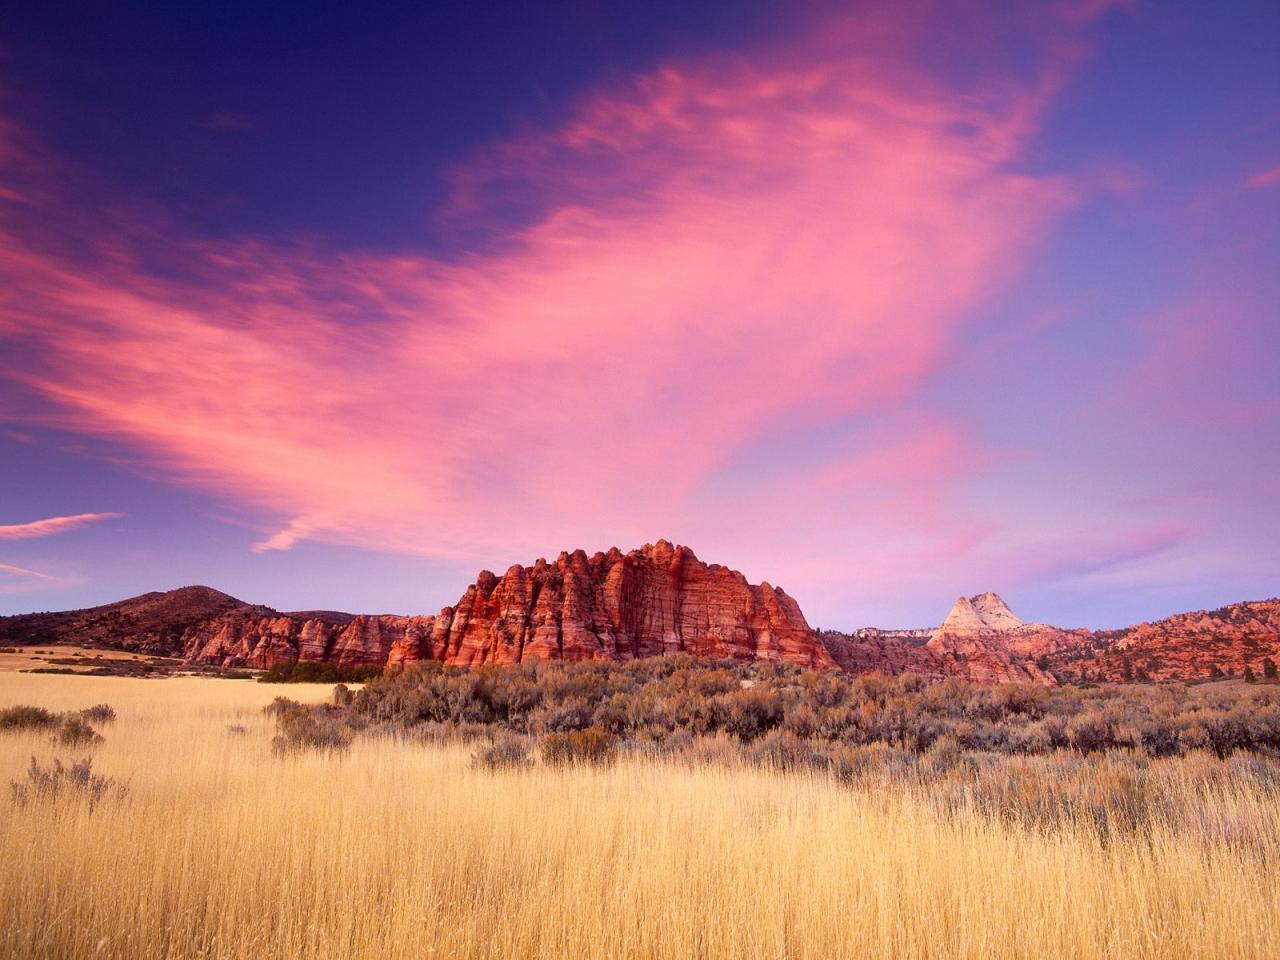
[[316, 672], [1228, 730], [301, 728], [590, 746], [75, 732], [1107, 794], [77, 781], [858, 763], [441, 733], [943, 754], [1031, 738], [505, 751], [1159, 737], [575, 714], [1089, 731], [751, 712], [667, 704], [25, 717], [98, 713], [237, 730], [783, 750], [342, 695], [718, 749], [801, 720], [281, 705]]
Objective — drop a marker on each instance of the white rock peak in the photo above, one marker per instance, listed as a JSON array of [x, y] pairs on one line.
[[986, 611]]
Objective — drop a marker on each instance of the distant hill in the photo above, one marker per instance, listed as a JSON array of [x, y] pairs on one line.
[[981, 639], [152, 622], [1200, 645]]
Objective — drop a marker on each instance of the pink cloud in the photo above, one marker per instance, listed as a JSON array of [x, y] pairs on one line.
[[727, 246], [51, 525], [1096, 552], [19, 580], [9, 569], [1265, 178]]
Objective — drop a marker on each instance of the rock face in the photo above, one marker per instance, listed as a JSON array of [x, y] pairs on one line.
[[981, 639], [1187, 646], [263, 641], [870, 649], [660, 599]]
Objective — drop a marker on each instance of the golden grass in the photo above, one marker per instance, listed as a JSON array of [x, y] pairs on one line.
[[400, 850], [44, 655]]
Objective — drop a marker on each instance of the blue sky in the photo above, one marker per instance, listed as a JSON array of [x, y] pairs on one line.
[[881, 303]]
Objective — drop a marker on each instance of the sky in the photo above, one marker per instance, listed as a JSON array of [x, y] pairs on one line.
[[330, 307]]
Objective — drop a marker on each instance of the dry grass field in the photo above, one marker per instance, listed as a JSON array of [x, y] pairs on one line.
[[62, 655], [398, 849]]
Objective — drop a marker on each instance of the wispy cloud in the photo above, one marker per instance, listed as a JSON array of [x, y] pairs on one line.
[[1265, 178], [50, 526], [726, 248], [18, 580], [7, 568]]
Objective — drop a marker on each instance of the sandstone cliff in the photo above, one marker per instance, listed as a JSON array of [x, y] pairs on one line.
[[660, 599]]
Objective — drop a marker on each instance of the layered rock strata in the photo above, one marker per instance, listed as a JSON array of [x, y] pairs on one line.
[[660, 599]]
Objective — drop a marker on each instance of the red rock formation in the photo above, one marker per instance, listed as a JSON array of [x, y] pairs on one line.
[[238, 640], [981, 639], [892, 652], [1187, 646], [660, 599]]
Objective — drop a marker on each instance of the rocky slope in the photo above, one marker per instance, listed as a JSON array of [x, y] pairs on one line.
[[1229, 641], [151, 623]]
